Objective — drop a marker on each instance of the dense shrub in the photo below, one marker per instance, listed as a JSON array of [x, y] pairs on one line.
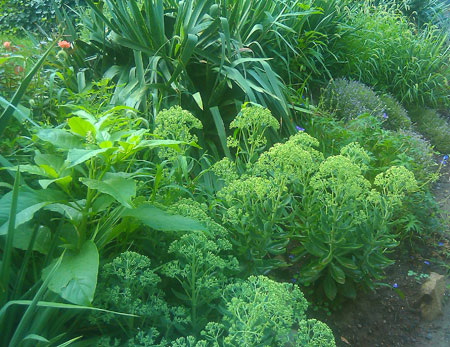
[[348, 99], [396, 117], [29, 14], [434, 127]]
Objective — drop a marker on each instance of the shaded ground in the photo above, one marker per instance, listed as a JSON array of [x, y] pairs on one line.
[[385, 318]]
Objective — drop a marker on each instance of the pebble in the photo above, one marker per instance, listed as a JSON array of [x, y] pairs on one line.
[[359, 326]]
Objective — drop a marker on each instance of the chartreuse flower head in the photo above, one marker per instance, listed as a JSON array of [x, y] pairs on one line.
[[249, 137], [395, 183], [176, 124], [245, 192], [339, 180], [226, 170], [293, 160], [357, 155]]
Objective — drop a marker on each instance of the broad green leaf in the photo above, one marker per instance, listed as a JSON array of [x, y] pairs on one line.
[[30, 201], [80, 126], [121, 188], [60, 138], [161, 220], [63, 181], [78, 156], [76, 278], [23, 234]]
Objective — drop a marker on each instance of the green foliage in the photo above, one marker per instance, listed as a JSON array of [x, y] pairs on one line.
[[29, 14], [396, 116], [348, 99], [435, 127], [252, 206], [256, 312], [386, 52], [249, 138], [176, 124], [128, 284], [261, 312], [223, 54]]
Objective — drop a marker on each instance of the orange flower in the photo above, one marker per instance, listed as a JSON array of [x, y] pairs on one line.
[[7, 44], [64, 44], [18, 69]]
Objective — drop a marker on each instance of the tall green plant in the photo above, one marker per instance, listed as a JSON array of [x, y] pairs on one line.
[[201, 54]]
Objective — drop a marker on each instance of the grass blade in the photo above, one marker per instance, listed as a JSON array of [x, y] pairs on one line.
[[7, 252]]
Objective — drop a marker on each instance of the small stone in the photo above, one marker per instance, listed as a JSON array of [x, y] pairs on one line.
[[359, 326], [431, 295]]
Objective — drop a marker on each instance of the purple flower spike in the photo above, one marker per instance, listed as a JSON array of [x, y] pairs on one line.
[[385, 115], [299, 128], [426, 262], [395, 285]]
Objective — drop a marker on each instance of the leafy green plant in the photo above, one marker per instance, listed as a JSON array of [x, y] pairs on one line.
[[261, 312], [252, 206], [30, 14], [418, 277], [128, 284], [207, 56], [88, 168]]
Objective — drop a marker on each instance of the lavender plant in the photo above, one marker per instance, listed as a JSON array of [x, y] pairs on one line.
[[348, 99]]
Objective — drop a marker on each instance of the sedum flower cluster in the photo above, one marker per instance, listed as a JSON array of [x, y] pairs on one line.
[[176, 124], [249, 136]]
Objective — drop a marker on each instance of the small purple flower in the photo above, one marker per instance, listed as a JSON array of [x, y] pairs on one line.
[[291, 257], [299, 128], [395, 285], [293, 280], [444, 159], [385, 115], [440, 244], [426, 262]]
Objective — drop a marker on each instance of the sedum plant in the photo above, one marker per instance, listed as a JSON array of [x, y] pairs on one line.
[[252, 206], [262, 312], [128, 284]]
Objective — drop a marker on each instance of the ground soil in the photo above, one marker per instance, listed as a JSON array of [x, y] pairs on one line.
[[384, 318]]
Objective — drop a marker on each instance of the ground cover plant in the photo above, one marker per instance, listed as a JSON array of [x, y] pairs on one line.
[[202, 173]]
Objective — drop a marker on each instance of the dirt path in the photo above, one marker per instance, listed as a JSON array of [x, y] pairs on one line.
[[437, 333]]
